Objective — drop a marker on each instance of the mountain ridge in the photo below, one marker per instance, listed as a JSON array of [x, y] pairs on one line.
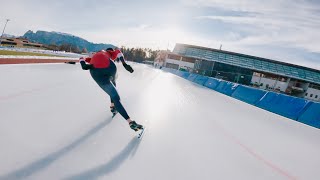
[[60, 38]]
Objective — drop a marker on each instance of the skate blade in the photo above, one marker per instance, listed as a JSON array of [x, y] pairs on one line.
[[141, 133], [114, 114]]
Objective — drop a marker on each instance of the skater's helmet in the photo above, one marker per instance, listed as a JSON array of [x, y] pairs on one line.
[[109, 49]]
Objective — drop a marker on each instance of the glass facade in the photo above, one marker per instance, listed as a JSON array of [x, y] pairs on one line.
[[232, 73], [314, 86], [172, 66], [249, 62]]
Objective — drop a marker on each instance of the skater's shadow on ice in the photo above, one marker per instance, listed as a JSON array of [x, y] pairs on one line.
[[111, 165], [44, 162]]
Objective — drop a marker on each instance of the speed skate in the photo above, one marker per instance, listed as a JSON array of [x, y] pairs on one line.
[[141, 132]]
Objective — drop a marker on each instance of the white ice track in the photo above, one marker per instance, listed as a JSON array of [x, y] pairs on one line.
[[55, 124]]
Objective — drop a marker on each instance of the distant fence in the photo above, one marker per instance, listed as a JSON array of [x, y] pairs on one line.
[[34, 60], [42, 51], [298, 109]]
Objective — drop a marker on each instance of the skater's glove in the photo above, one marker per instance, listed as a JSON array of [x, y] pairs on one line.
[[128, 67], [81, 59], [84, 65]]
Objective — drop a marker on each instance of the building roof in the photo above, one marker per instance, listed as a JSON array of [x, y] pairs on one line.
[[250, 62], [20, 42]]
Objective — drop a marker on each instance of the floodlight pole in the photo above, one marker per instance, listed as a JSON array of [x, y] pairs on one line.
[[7, 20]]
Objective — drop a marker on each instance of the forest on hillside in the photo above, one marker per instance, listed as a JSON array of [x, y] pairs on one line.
[[131, 54]]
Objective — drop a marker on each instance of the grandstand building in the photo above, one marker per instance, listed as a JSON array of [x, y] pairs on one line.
[[19, 42], [245, 69]]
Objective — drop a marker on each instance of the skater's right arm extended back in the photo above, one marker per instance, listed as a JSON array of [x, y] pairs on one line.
[[84, 65], [117, 54]]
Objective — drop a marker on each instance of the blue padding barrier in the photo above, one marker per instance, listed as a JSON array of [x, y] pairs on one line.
[[179, 73], [226, 88], [166, 69], [212, 83], [248, 94], [287, 106], [173, 71], [192, 77], [176, 72], [311, 115], [183, 74], [169, 70], [201, 79]]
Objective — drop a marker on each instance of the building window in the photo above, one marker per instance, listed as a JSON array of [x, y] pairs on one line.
[[311, 95], [9, 43], [173, 56], [190, 60], [314, 86], [316, 96], [257, 74], [172, 66], [283, 79], [306, 94], [31, 45]]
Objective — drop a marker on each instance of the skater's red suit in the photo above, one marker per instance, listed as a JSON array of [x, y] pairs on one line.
[[103, 71], [102, 59]]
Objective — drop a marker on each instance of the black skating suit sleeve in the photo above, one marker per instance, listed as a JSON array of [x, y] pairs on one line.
[[86, 66]]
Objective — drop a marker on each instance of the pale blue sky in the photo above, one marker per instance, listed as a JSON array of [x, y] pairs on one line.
[[285, 30]]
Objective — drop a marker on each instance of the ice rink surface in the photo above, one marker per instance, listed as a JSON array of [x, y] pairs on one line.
[[55, 123]]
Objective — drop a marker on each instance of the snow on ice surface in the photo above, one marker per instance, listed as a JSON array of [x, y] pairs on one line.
[[55, 124]]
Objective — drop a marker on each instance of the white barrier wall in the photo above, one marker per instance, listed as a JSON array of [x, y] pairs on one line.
[[313, 94], [272, 83], [180, 63]]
